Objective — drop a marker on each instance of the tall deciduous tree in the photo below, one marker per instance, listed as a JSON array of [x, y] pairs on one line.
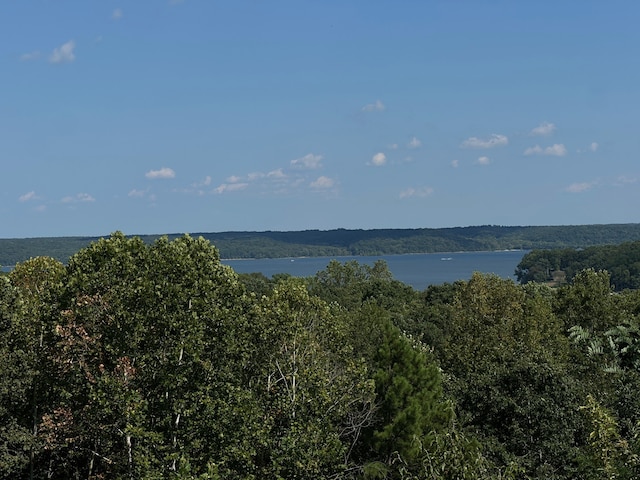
[[39, 283], [506, 361]]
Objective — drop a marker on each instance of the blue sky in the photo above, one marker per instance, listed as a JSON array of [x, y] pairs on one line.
[[170, 116]]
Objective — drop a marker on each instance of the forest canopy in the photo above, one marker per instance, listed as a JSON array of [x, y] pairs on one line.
[[562, 265], [155, 360]]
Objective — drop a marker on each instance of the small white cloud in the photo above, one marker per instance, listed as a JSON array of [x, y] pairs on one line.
[[80, 197], [231, 179], [483, 161], [393, 146], [414, 143], [117, 14], [556, 150], [276, 174], [579, 187], [164, 172], [494, 140], [594, 146], [64, 53], [624, 180], [230, 187], [378, 106], [322, 183], [28, 196], [85, 197], [537, 150], [544, 129], [26, 57], [455, 163], [379, 159], [207, 181], [255, 176], [309, 161], [416, 192], [137, 193]]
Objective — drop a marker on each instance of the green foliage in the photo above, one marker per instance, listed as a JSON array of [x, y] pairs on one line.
[[611, 456], [341, 242], [587, 302], [154, 360], [504, 360], [409, 404], [15, 375], [621, 261]]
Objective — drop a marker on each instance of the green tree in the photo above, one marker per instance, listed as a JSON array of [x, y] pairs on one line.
[[611, 455], [39, 285], [16, 430], [505, 365]]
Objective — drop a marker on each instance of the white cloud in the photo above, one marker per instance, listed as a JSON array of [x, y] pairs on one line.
[[393, 146], [579, 187], [85, 197], [414, 143], [378, 159], [624, 180], [80, 197], [255, 176], [230, 187], [28, 196], [378, 106], [309, 161], [137, 193], [537, 150], [544, 129], [455, 163], [483, 161], [231, 179], [117, 14], [164, 172], [25, 57], [322, 182], [494, 140], [594, 146], [197, 187], [64, 53], [276, 174], [416, 192], [556, 150]]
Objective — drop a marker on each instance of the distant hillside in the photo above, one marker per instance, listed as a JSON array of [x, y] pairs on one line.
[[338, 242], [561, 265]]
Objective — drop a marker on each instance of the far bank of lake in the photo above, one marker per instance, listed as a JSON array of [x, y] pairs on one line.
[[417, 270]]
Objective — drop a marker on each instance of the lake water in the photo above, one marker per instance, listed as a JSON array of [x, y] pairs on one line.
[[417, 270]]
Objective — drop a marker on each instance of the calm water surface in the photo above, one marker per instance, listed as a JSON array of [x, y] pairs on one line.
[[419, 270]]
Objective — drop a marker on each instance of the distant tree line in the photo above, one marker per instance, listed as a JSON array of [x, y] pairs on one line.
[[343, 242], [562, 265]]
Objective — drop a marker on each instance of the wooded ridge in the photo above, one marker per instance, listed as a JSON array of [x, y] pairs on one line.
[[317, 243]]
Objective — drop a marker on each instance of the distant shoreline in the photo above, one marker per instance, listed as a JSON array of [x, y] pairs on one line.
[[233, 246], [380, 255]]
